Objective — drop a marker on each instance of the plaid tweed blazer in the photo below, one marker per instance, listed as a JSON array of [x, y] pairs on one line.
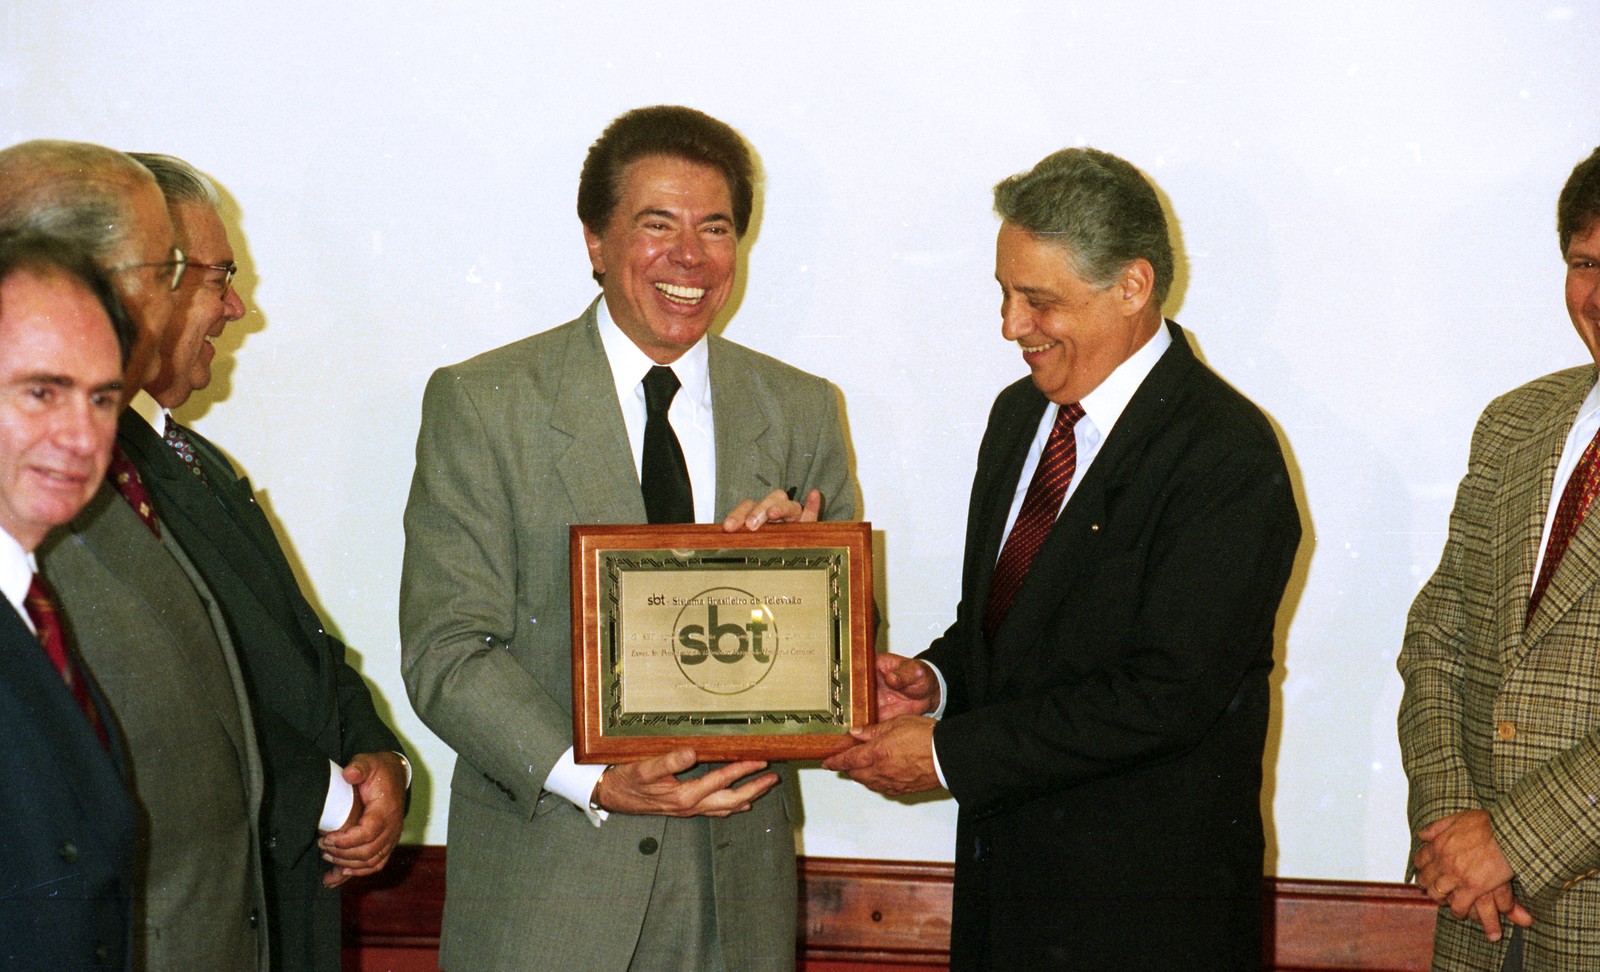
[[1504, 716]]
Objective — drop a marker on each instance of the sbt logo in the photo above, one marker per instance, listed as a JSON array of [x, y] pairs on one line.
[[732, 627]]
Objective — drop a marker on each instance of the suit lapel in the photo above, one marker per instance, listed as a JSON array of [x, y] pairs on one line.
[[1534, 463], [596, 466], [1069, 550], [123, 546], [740, 425]]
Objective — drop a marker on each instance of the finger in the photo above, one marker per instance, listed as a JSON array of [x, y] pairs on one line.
[[813, 507], [1488, 916], [736, 516], [1519, 915], [660, 767], [334, 877]]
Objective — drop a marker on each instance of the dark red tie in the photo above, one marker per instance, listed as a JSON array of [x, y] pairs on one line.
[[1040, 506], [41, 606], [1575, 499], [125, 478]]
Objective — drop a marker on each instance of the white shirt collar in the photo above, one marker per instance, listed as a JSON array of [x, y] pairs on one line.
[[629, 365], [16, 573], [151, 411]]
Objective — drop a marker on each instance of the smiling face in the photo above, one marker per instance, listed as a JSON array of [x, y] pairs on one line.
[[60, 392], [1583, 286], [205, 306], [669, 254], [1072, 335]]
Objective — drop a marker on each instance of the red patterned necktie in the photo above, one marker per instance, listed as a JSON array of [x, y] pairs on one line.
[[1575, 499], [1057, 464], [178, 438], [125, 479], [41, 607]]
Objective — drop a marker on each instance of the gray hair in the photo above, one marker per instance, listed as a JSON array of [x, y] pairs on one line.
[[1098, 209], [180, 182], [72, 190]]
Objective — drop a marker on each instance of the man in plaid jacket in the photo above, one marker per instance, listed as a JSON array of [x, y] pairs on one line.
[[1500, 723]]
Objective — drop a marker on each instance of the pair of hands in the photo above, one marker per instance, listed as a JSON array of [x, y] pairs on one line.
[[652, 786], [363, 845], [894, 756], [1460, 865]]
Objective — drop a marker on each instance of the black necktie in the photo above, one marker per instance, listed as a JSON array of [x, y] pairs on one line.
[[663, 476]]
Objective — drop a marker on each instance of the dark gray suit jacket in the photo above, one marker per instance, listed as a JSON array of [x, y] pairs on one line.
[[1105, 748], [516, 445], [150, 636], [310, 705]]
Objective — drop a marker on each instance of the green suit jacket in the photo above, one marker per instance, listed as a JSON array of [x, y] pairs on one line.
[[516, 445], [1506, 717]]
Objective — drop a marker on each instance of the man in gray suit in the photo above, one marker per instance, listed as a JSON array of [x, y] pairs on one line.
[[331, 764], [139, 613], [646, 865]]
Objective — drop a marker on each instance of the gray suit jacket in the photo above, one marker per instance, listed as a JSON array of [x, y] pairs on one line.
[[1503, 716], [516, 445], [153, 642]]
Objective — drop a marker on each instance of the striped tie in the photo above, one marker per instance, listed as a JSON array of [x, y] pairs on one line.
[[1057, 465]]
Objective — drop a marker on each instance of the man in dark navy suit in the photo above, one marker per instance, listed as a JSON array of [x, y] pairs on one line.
[[66, 820], [1099, 707]]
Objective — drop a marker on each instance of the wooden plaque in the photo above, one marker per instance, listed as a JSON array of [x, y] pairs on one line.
[[748, 645]]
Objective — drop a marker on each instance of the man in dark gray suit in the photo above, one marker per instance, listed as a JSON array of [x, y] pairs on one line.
[[331, 764], [139, 612], [66, 821], [554, 865]]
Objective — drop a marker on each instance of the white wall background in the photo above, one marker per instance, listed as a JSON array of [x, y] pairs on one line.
[[1364, 194]]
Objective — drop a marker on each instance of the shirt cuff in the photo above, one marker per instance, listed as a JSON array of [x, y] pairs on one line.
[[341, 797], [938, 713], [575, 784]]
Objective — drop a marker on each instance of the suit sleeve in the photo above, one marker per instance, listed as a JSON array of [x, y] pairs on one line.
[[1432, 657], [458, 604], [1202, 599]]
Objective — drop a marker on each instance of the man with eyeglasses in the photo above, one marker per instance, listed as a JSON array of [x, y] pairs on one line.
[[139, 613], [332, 766]]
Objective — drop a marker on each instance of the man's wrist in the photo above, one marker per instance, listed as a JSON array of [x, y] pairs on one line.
[[594, 795]]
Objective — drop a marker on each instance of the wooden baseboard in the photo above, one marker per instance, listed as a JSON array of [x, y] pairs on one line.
[[885, 915]]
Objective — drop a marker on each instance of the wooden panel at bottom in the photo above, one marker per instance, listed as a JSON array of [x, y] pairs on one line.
[[880, 916]]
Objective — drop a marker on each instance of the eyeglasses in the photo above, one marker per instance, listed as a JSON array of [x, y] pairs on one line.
[[178, 263], [226, 269]]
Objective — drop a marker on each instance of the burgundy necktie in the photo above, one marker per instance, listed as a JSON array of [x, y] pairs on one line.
[[125, 479], [178, 438], [41, 607], [1575, 499], [1040, 506]]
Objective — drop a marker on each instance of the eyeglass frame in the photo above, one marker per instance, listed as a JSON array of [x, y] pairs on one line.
[[229, 270], [179, 263]]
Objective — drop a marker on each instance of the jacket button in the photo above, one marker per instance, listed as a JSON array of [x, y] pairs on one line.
[[1506, 730], [68, 851], [102, 953], [255, 918], [648, 845]]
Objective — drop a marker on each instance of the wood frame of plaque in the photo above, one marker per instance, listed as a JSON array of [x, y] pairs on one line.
[[663, 655]]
